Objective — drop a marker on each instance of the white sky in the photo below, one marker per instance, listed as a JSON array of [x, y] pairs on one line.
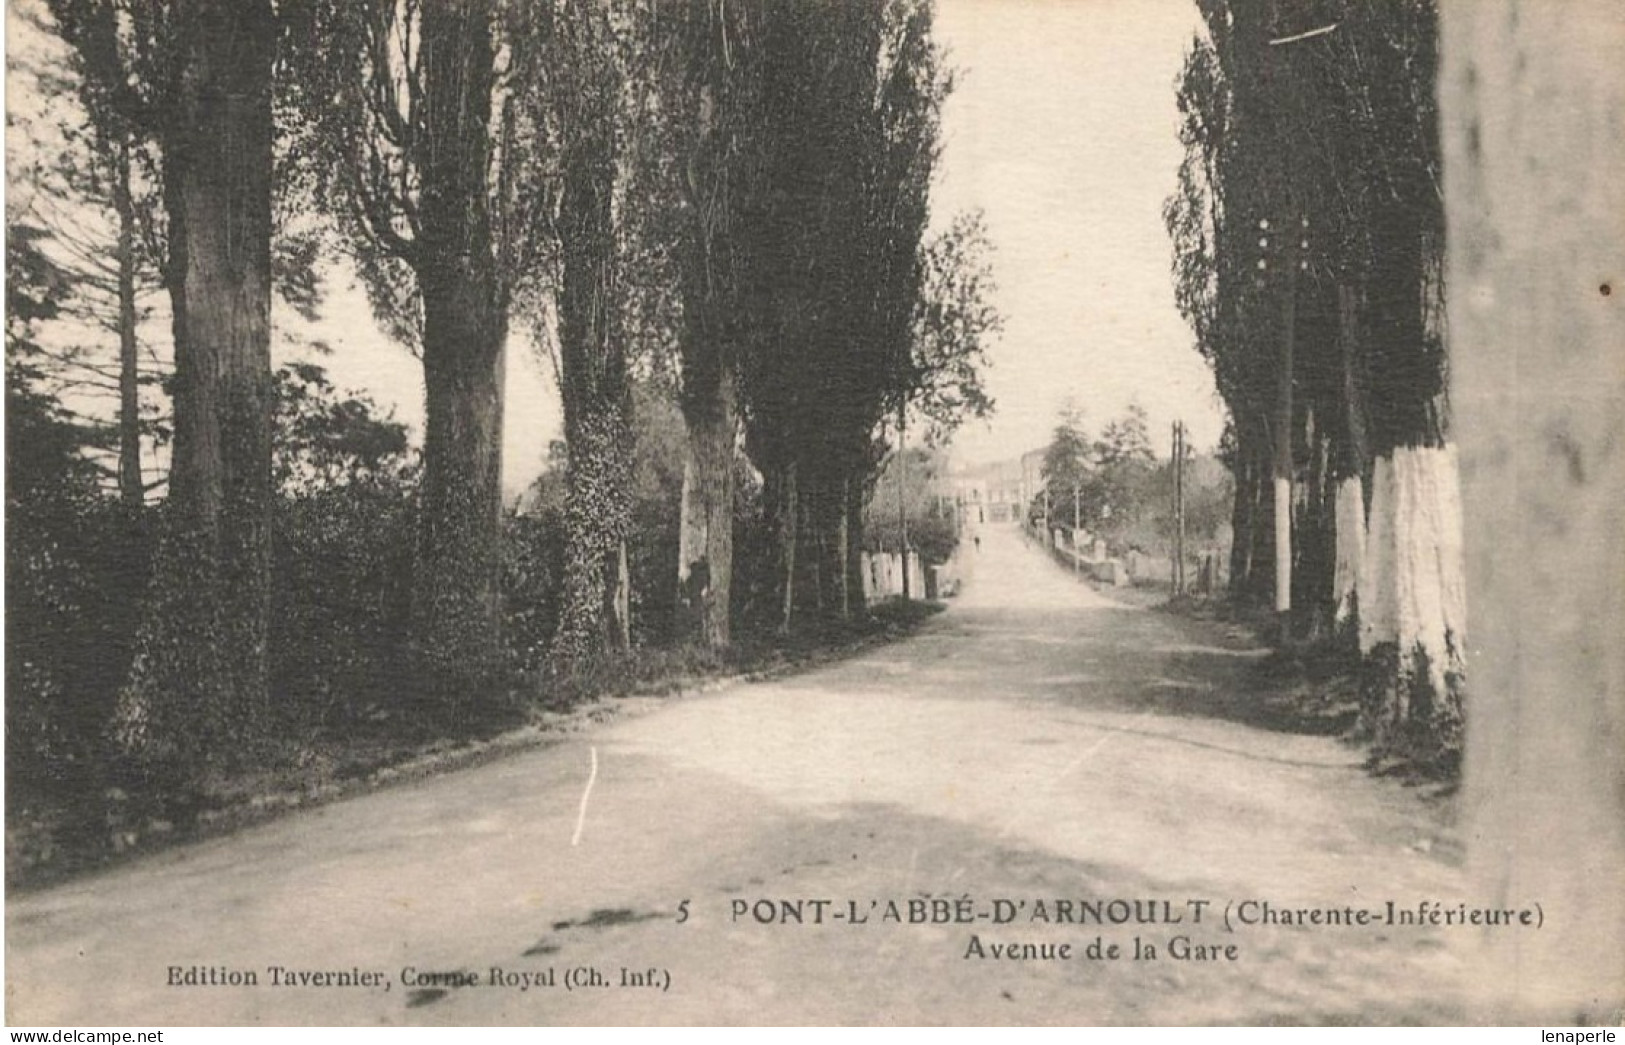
[[1062, 128]]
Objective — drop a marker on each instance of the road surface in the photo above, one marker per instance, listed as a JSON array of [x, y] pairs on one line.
[[1035, 744]]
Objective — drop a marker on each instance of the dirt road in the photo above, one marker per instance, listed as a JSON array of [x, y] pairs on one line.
[[1037, 744]]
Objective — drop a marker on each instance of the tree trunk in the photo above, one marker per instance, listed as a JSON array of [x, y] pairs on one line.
[[1413, 606], [1314, 547], [592, 356], [705, 539], [902, 495], [456, 611], [843, 549], [1350, 523], [1531, 95], [623, 600], [858, 605], [198, 687], [131, 490], [790, 512], [710, 291], [1242, 524], [1252, 548], [1411, 592], [1350, 554], [816, 562], [456, 602], [596, 513]]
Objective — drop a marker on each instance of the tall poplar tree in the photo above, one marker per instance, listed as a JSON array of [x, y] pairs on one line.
[[709, 95], [402, 114], [579, 96], [197, 78]]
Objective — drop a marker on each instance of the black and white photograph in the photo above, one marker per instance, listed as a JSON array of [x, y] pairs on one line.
[[814, 513]]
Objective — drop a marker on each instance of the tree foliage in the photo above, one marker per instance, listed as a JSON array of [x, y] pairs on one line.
[[1308, 211], [406, 125], [907, 502], [1067, 464], [847, 141], [714, 215], [955, 324]]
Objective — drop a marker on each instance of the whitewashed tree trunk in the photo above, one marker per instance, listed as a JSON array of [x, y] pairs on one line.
[[1349, 512], [1532, 97], [1412, 598]]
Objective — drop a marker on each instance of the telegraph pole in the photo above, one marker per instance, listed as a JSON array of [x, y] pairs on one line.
[[1293, 254], [1281, 463], [1294, 244], [1283, 424]]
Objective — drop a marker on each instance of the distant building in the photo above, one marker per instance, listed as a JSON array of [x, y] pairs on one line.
[[1032, 477], [994, 493], [970, 496]]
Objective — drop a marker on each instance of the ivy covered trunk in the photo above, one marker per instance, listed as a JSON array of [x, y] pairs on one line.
[[593, 374], [456, 606], [596, 513], [197, 690], [455, 620]]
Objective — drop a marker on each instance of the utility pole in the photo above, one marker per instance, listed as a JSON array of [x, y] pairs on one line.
[[1294, 244], [1281, 426], [1283, 423], [1293, 236]]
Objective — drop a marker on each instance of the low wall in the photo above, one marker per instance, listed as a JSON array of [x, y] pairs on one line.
[[883, 576], [1104, 569]]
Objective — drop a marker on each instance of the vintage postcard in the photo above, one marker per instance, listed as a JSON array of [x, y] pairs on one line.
[[795, 512]]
